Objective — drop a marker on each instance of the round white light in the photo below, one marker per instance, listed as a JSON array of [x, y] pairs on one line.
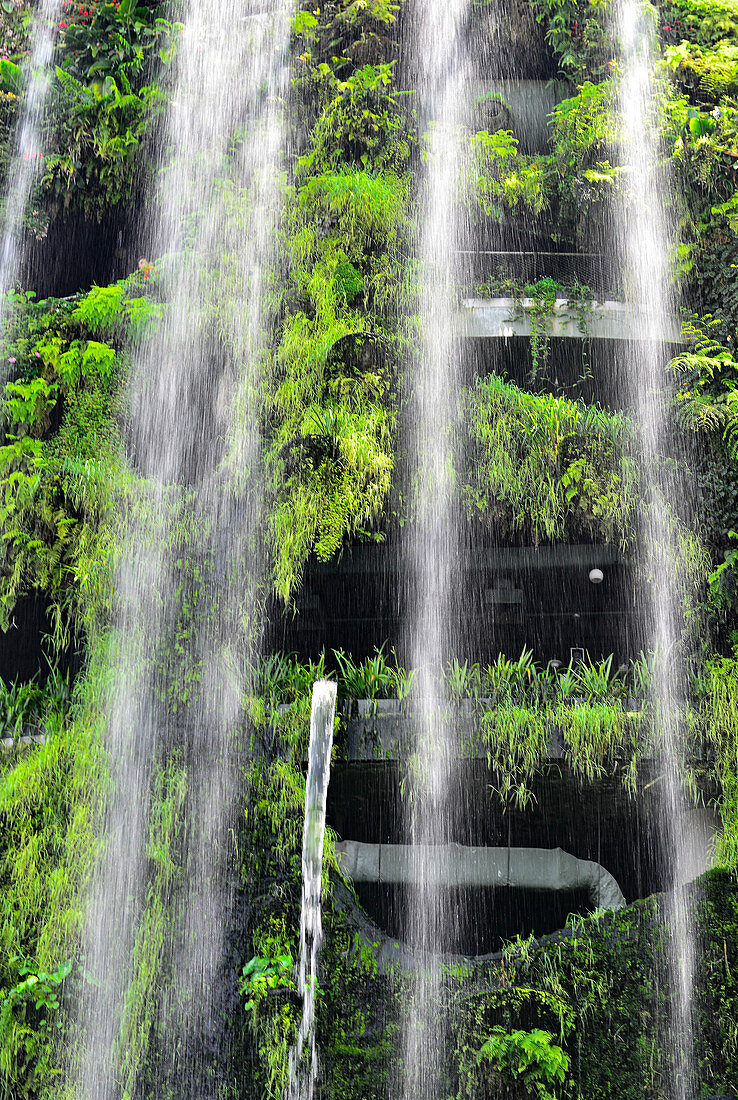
[[596, 576]]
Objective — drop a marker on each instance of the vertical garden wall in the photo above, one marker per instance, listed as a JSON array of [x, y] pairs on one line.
[[549, 473]]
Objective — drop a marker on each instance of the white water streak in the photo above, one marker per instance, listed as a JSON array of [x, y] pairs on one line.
[[194, 437], [433, 553], [646, 238], [26, 152], [303, 1068]]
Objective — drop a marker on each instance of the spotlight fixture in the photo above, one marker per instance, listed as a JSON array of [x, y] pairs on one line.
[[596, 576]]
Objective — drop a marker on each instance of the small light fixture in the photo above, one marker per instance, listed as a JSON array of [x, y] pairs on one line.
[[596, 576], [555, 665]]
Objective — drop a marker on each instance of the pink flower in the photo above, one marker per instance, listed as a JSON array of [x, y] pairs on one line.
[[11, 359], [37, 354]]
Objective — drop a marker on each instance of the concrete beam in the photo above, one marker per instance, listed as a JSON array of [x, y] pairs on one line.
[[495, 318], [454, 865], [367, 558]]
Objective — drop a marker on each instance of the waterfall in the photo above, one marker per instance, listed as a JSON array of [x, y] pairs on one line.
[[645, 240], [433, 548], [303, 1068], [25, 161], [190, 568]]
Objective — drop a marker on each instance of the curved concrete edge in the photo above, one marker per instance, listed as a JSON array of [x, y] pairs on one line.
[[454, 865], [394, 957], [496, 318]]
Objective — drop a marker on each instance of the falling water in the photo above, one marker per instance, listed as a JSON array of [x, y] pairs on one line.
[[433, 550], [645, 242], [190, 559], [26, 154], [303, 1067]]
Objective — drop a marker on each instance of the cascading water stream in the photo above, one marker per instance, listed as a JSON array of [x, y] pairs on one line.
[[190, 560], [26, 154], [645, 240], [433, 549], [303, 1067]]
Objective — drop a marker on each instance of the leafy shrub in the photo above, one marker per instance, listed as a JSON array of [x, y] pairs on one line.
[[504, 178], [260, 976], [526, 1062], [94, 157], [363, 124], [102, 39]]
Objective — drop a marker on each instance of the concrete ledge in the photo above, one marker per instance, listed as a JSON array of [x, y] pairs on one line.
[[454, 865], [495, 318]]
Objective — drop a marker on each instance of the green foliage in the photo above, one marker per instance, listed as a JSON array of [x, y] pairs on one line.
[[332, 424], [95, 152], [706, 398], [504, 178], [27, 1011], [546, 465], [343, 35], [99, 39], [704, 73], [260, 976], [30, 707], [60, 464], [580, 34], [11, 77], [528, 1058], [717, 721], [51, 801], [373, 678], [363, 124]]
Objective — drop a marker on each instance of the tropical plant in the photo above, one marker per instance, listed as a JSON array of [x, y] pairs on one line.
[[373, 678], [101, 39], [260, 976], [27, 1012], [502, 178], [94, 158], [463, 681], [527, 1063], [363, 124]]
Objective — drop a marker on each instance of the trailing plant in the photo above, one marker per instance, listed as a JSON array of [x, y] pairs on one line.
[[332, 421], [546, 465], [538, 304]]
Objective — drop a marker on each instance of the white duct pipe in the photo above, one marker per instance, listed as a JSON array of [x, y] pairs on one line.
[[454, 865]]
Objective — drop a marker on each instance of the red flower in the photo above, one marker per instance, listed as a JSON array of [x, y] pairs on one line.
[[62, 26]]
